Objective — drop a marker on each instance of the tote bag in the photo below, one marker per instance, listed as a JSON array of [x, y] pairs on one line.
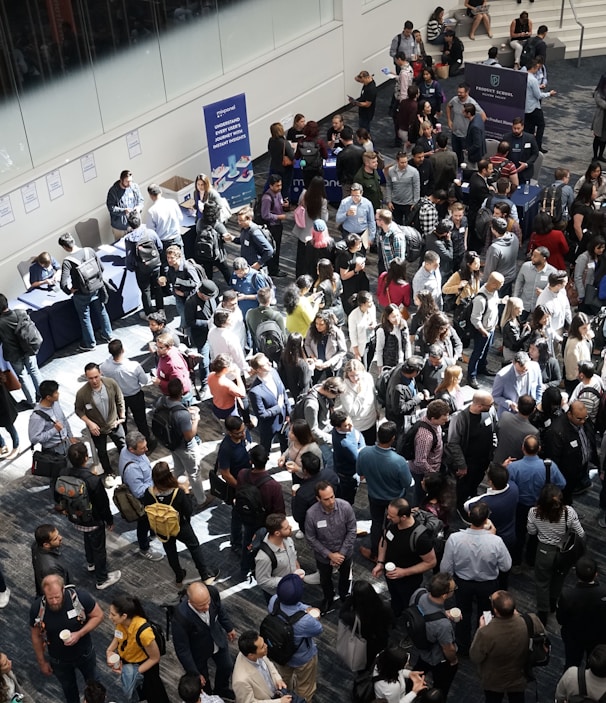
[[351, 646]]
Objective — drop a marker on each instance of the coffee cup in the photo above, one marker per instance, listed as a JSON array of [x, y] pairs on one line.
[[291, 466], [390, 566], [456, 615], [64, 635], [114, 660], [354, 209], [295, 487], [300, 572], [438, 127], [315, 613], [183, 482]]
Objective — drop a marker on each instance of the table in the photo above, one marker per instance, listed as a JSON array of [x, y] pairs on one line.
[[528, 207], [334, 193]]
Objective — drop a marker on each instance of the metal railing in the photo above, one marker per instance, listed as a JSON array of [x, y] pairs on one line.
[[581, 25]]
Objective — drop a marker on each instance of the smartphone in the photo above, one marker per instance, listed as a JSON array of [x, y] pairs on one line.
[[386, 71], [487, 616]]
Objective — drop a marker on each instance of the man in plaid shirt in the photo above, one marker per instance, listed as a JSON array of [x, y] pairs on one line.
[[428, 212], [391, 240], [429, 445]]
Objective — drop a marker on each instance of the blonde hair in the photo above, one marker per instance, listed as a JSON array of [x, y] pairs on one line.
[[452, 375], [508, 312], [277, 130]]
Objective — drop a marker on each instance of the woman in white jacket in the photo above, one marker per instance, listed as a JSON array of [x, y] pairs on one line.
[[359, 400], [361, 324]]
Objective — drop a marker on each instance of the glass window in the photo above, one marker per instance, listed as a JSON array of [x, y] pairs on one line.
[[246, 30]]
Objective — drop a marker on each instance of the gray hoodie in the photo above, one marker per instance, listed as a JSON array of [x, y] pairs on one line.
[[502, 257]]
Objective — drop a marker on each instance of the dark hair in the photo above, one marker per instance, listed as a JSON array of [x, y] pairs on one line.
[[436, 409], [66, 241], [408, 25], [338, 417], [311, 463], [597, 661], [436, 13], [133, 219], [314, 196], [129, 606], [550, 505], [504, 604], [402, 506], [396, 271], [302, 431], [95, 691], [311, 130], [273, 522], [387, 431], [174, 388], [159, 317], [587, 368], [246, 641], [542, 223], [387, 311], [326, 317], [551, 401], [90, 366], [441, 140], [526, 405], [498, 474], [220, 363], [292, 295], [190, 688], [77, 454], [578, 321], [233, 423], [43, 532], [478, 513], [163, 477], [535, 319], [427, 307], [326, 272], [221, 317], [322, 485], [390, 662], [465, 272], [48, 388], [115, 347], [594, 242], [293, 349], [440, 584], [433, 326], [258, 456], [585, 194], [586, 569]]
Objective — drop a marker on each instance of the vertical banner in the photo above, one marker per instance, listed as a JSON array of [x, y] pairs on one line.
[[501, 93], [229, 150]]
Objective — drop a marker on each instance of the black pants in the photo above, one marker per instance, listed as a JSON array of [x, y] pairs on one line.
[[328, 589], [117, 437], [273, 265], [95, 552], [222, 266], [188, 537], [469, 592], [148, 284], [153, 690], [400, 212], [401, 591], [467, 486], [497, 696], [377, 522], [534, 122], [347, 489], [136, 404], [443, 674], [521, 534]]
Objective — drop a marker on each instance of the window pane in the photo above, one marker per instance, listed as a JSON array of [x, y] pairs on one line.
[[307, 18], [14, 149], [246, 31]]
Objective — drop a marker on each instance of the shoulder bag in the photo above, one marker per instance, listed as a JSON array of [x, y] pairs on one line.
[[571, 547], [351, 646]]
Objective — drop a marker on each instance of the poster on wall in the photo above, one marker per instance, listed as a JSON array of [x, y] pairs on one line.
[[229, 150], [6, 211], [89, 168], [29, 193], [54, 185], [501, 92], [133, 144]]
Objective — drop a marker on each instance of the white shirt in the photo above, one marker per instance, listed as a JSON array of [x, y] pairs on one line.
[[165, 218]]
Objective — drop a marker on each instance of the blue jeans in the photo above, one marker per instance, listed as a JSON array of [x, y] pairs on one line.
[[83, 305], [326, 450], [204, 363], [66, 673], [10, 428], [477, 360], [29, 364]]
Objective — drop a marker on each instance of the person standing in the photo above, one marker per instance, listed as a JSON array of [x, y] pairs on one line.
[[403, 187], [88, 291], [165, 217], [199, 311], [523, 151], [172, 365], [202, 630], [48, 425], [349, 160], [254, 245], [46, 555], [476, 136], [272, 213], [368, 177], [429, 445], [144, 257], [123, 198], [277, 555], [330, 530], [484, 319], [391, 242], [269, 402], [255, 678], [595, 678], [500, 650], [599, 119], [65, 608], [346, 445], [367, 101], [532, 279], [533, 112], [457, 122]]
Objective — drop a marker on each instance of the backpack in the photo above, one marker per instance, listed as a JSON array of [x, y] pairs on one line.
[[381, 384], [248, 503], [461, 321], [198, 268], [278, 633], [310, 156], [129, 507], [415, 622], [364, 687], [77, 608], [597, 327], [496, 171], [539, 648], [550, 201], [158, 635], [257, 545], [415, 244], [89, 276], [163, 518], [163, 428], [407, 448], [426, 521], [600, 420], [270, 340], [146, 253], [205, 246], [413, 219], [581, 696], [75, 500], [28, 335], [529, 51]]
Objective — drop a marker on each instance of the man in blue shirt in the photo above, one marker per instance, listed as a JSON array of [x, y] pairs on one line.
[[254, 246], [533, 114], [247, 281], [387, 477], [346, 445], [356, 214]]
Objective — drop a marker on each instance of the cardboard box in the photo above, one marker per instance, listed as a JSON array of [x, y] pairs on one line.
[[177, 188]]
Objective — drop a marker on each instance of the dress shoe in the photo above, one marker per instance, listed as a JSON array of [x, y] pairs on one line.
[[326, 607], [490, 373], [543, 150], [473, 383], [279, 274]]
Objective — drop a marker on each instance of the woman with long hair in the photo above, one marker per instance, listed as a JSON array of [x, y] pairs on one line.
[[351, 264], [205, 193], [392, 286], [375, 616], [320, 246], [281, 158], [226, 386], [312, 206], [465, 283], [361, 324], [391, 676], [438, 330], [359, 400], [435, 27], [548, 409], [10, 688], [393, 339], [430, 91], [300, 308], [585, 268], [520, 30], [578, 348], [325, 344], [549, 521], [135, 642], [329, 284], [544, 235], [449, 390], [513, 330], [295, 369], [424, 115], [364, 140], [598, 125], [166, 490], [300, 440], [593, 175], [581, 214], [426, 306], [439, 496], [538, 350]]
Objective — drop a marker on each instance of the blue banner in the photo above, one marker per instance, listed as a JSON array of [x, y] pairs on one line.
[[501, 93], [229, 150]]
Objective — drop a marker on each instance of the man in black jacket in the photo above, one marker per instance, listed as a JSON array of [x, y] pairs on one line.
[[305, 495], [523, 150], [349, 160], [199, 311], [46, 555], [201, 630], [404, 394]]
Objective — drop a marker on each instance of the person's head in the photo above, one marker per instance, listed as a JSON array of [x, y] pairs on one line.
[[438, 412], [337, 122], [293, 348], [586, 370], [469, 110], [259, 457], [221, 318], [418, 155], [198, 597], [190, 688], [503, 604], [44, 259], [292, 296], [163, 478], [479, 513], [174, 389], [542, 30], [290, 589], [261, 365], [463, 90], [391, 317], [498, 475], [276, 130], [597, 661], [156, 321], [579, 327], [124, 608], [136, 443], [47, 536], [561, 174], [531, 445], [424, 109], [542, 223], [441, 586], [498, 227], [77, 454], [95, 691], [341, 421], [298, 121], [115, 348], [502, 209], [526, 404], [241, 267], [452, 377], [133, 219], [347, 135], [431, 260], [436, 328], [53, 587], [235, 428], [221, 363], [557, 281], [202, 183], [577, 413], [154, 191], [481, 402], [245, 217], [174, 256], [485, 167], [412, 93], [333, 387], [413, 366], [396, 271], [67, 242], [492, 52], [92, 374], [551, 402], [251, 644], [437, 14], [402, 159], [550, 503], [353, 241], [387, 433], [517, 126], [596, 246], [435, 355], [325, 495], [539, 257], [365, 599], [275, 183], [471, 264], [586, 569], [310, 463], [495, 281], [323, 323], [398, 511], [277, 526], [370, 160], [49, 391], [513, 309], [587, 193], [325, 269], [390, 663]]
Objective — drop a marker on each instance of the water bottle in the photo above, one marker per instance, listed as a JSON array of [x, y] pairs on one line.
[[526, 188]]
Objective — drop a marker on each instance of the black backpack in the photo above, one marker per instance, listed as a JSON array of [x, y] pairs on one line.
[[206, 245], [163, 427], [462, 319], [270, 340], [426, 521], [86, 272], [158, 635], [146, 253], [278, 633], [310, 156], [407, 448], [550, 201], [28, 335], [415, 244], [257, 545], [415, 622], [529, 51], [581, 696], [597, 327], [539, 648], [413, 219], [484, 217], [248, 503], [382, 382]]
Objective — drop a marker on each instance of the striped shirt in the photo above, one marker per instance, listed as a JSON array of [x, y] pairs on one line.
[[552, 532]]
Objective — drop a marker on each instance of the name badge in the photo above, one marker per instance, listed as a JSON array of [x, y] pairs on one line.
[[574, 443], [462, 230], [591, 265], [389, 536], [118, 634], [488, 422], [72, 614], [161, 374], [527, 145], [246, 242], [322, 523], [432, 91], [88, 406], [547, 422], [361, 219]]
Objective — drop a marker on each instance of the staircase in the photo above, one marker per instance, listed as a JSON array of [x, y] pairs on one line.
[[592, 13]]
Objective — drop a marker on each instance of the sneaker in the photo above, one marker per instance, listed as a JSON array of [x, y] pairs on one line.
[[90, 567], [473, 383], [5, 596], [105, 339], [210, 577], [299, 535], [602, 518], [112, 578], [109, 480], [151, 555], [4, 451], [82, 348]]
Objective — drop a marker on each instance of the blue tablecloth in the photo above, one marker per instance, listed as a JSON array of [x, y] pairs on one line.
[[528, 207]]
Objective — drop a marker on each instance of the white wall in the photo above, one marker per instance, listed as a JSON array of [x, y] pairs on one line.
[[314, 79]]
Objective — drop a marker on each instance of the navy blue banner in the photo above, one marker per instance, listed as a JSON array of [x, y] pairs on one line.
[[501, 93], [229, 150]]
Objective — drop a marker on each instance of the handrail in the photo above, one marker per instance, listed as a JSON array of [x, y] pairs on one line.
[[581, 25]]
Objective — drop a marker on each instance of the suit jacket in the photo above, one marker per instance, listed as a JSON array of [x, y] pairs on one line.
[[194, 640], [581, 612], [85, 405], [561, 443], [265, 405], [504, 387], [248, 682]]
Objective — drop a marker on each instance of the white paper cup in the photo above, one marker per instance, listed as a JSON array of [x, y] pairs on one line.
[[456, 615], [355, 210], [390, 566], [300, 572], [114, 660], [295, 487], [64, 635], [315, 613]]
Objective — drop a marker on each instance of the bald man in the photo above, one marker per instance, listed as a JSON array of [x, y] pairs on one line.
[[201, 630]]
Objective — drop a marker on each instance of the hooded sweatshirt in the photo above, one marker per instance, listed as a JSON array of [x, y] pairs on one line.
[[502, 256]]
